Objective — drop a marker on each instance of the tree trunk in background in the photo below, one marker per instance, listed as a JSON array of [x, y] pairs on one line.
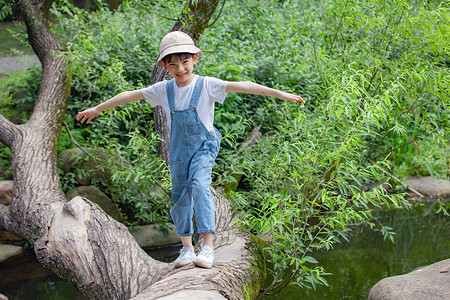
[[76, 239], [84, 4], [113, 4]]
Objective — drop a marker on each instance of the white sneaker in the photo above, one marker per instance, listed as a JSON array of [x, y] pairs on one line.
[[205, 258], [186, 257]]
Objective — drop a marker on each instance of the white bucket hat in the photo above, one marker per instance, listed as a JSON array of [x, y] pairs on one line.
[[176, 42]]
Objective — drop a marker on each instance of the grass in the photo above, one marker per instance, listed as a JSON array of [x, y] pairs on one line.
[[13, 39]]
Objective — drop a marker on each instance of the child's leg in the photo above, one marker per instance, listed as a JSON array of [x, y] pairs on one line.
[[187, 241], [187, 254], [205, 258], [208, 239]]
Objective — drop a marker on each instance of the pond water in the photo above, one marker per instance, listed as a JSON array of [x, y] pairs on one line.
[[25, 279], [422, 238]]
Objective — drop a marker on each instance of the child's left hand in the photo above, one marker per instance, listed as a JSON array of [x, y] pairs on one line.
[[291, 97], [258, 89]]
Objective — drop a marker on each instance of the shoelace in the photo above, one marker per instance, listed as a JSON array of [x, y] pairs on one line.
[[184, 251], [206, 252]]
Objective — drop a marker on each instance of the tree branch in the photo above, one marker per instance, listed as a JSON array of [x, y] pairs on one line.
[[75, 141], [55, 84], [7, 131], [237, 265], [88, 247], [34, 16]]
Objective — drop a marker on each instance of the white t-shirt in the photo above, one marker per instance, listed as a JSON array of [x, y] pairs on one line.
[[213, 90]]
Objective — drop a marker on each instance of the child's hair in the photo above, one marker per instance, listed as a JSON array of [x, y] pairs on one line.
[[180, 56]]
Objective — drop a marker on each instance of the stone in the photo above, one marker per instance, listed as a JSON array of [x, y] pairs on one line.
[[8, 236], [150, 236], [8, 251], [6, 191], [434, 189], [19, 94], [430, 282], [97, 196]]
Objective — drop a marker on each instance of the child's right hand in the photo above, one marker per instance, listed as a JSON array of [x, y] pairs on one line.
[[87, 115]]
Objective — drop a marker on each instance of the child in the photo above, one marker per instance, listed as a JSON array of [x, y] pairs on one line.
[[188, 101]]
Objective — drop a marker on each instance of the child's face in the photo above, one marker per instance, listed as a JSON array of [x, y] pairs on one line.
[[181, 70]]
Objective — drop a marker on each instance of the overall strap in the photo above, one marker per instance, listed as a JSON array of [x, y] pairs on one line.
[[196, 92], [170, 94]]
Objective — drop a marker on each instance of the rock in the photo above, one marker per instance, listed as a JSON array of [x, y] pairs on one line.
[[431, 282], [6, 191], [19, 94], [8, 251], [432, 188], [3, 297], [8, 236], [95, 195], [150, 236], [92, 164]]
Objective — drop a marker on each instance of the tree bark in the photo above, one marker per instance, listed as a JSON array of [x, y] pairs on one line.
[[76, 239], [84, 4]]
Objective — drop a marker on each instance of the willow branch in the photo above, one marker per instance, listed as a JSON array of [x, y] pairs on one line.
[[74, 141], [398, 180]]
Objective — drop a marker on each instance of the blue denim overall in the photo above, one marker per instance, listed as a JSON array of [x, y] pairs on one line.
[[192, 151]]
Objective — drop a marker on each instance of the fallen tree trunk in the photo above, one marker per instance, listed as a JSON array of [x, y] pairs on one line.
[[76, 239], [238, 271]]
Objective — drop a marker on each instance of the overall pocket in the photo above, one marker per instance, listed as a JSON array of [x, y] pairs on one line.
[[194, 128]]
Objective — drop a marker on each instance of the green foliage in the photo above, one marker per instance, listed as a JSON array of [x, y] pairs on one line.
[[6, 8], [15, 106], [65, 139], [305, 184], [5, 158], [108, 52], [403, 61], [15, 96], [145, 187], [376, 90], [376, 80], [13, 39]]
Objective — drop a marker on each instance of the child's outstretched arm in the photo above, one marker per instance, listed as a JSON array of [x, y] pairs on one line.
[[258, 89], [124, 97]]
